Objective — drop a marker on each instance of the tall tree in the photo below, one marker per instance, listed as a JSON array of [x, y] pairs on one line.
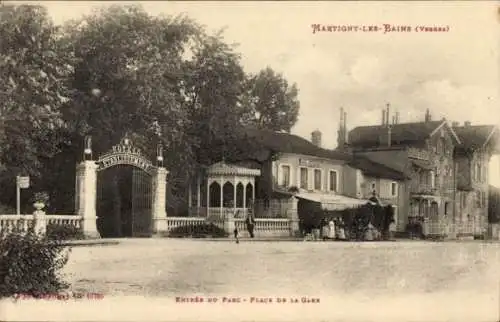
[[270, 102], [129, 81], [34, 69], [213, 98]]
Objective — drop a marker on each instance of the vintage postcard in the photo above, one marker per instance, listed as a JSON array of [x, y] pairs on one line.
[[249, 161]]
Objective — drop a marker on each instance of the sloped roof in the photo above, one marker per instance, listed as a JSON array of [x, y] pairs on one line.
[[223, 168], [290, 143], [369, 136], [375, 169], [474, 136]]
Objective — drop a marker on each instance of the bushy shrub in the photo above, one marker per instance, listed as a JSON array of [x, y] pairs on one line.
[[64, 232], [198, 231], [30, 263]]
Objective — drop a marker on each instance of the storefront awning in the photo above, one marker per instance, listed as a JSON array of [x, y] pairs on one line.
[[333, 202]]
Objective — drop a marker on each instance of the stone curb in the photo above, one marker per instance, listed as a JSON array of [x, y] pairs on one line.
[[75, 243]]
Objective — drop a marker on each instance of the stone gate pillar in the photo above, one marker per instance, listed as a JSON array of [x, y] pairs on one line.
[[86, 193], [159, 190], [293, 217]]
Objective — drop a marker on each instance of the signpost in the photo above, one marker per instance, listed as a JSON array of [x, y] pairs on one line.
[[21, 183]]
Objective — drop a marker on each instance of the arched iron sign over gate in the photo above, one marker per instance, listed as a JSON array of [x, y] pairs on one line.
[[146, 181], [125, 154]]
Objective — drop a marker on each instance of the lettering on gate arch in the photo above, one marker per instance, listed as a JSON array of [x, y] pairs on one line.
[[125, 154]]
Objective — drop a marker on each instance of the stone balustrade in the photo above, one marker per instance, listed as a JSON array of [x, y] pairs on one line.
[[64, 220], [23, 223], [453, 230], [174, 222], [265, 227]]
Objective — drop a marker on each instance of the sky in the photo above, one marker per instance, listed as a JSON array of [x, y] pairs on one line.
[[454, 73]]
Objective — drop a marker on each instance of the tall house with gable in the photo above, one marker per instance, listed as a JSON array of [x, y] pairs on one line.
[[472, 157], [447, 166]]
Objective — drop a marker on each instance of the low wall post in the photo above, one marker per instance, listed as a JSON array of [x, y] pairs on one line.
[[159, 215], [229, 224], [293, 217], [40, 218]]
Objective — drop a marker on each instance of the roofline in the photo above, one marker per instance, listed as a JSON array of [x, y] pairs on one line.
[[380, 148], [321, 158], [490, 136], [382, 125], [449, 127], [386, 167]]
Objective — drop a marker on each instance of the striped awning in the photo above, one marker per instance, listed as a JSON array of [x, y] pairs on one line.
[[333, 202]]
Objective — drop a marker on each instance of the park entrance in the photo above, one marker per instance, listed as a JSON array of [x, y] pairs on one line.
[[124, 202], [121, 194]]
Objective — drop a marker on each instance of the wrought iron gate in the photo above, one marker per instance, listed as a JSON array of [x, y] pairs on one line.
[[124, 202], [141, 203]]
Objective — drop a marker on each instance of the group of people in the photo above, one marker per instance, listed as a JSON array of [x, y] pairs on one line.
[[333, 229]]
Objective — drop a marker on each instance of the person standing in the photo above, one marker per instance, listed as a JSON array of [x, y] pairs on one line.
[[392, 230], [342, 235], [236, 235], [250, 225], [250, 220], [331, 231], [325, 229]]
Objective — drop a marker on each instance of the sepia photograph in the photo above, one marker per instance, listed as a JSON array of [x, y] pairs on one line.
[[250, 161]]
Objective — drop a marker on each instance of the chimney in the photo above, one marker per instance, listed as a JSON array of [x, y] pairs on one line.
[[341, 135], [428, 117], [316, 138], [387, 119], [389, 136], [383, 117], [345, 127], [397, 117], [455, 124], [467, 123]]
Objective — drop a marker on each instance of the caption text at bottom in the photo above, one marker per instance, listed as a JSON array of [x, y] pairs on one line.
[[252, 300]]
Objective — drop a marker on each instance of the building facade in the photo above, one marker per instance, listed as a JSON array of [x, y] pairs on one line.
[[291, 166], [447, 166]]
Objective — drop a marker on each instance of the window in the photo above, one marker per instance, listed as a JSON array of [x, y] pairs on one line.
[[394, 189], [443, 145], [332, 178], [478, 172], [285, 176], [317, 179], [433, 179], [303, 179], [373, 186], [446, 208], [478, 199], [464, 199]]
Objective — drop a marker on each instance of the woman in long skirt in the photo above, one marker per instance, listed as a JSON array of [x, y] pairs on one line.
[[331, 231], [325, 230], [341, 235]]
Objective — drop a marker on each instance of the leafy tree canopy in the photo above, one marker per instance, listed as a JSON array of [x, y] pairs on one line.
[[120, 71], [270, 102]]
